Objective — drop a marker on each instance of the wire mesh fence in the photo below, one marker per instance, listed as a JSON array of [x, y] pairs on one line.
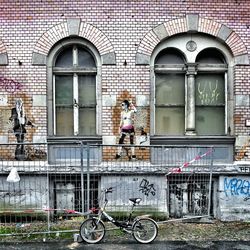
[[50, 187]]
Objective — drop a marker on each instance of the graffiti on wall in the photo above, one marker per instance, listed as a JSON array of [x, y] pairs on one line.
[[147, 188], [19, 122], [237, 187], [9, 85]]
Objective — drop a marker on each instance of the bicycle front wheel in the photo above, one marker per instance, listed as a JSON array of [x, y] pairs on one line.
[[92, 230], [145, 230]]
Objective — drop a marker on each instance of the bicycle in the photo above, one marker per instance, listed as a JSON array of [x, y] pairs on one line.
[[143, 229]]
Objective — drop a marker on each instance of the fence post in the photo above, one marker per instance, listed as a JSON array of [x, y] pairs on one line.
[[88, 176], [210, 182], [48, 198], [82, 178]]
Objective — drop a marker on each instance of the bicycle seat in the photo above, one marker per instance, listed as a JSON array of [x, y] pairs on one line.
[[135, 200]]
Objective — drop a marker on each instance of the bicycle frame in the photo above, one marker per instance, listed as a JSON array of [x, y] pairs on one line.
[[123, 224]]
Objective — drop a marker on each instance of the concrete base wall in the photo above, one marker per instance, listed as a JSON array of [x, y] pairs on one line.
[[152, 190], [234, 198]]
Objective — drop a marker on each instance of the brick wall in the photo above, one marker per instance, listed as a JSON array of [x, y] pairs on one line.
[[123, 27]]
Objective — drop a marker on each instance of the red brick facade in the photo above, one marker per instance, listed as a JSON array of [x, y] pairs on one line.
[[121, 28]]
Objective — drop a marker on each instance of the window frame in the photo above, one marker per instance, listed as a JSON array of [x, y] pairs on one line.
[[178, 42], [52, 71], [203, 41]]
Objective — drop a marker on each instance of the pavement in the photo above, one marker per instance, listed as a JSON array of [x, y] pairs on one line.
[[128, 245]]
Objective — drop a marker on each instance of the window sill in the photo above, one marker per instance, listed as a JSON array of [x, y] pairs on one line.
[[192, 140], [84, 139]]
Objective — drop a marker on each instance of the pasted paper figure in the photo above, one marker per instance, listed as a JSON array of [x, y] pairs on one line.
[[127, 126], [13, 175], [20, 121]]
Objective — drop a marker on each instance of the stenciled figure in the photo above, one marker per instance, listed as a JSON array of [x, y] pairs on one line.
[[19, 120], [127, 126]]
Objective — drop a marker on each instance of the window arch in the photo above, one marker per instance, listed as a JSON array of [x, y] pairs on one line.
[[73, 69], [189, 88]]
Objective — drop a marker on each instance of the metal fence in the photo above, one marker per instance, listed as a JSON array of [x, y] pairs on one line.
[[44, 186]]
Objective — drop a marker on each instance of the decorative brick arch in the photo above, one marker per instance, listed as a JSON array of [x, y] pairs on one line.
[[3, 54], [191, 23], [73, 27]]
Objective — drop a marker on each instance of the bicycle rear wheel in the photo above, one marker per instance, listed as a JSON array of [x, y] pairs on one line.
[[92, 230], [145, 230]]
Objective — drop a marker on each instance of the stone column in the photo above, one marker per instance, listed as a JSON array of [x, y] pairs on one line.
[[190, 101]]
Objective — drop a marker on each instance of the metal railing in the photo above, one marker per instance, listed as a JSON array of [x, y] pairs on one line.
[[44, 187]]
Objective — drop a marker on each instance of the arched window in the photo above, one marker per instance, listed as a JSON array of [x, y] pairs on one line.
[[75, 92], [190, 87], [73, 65]]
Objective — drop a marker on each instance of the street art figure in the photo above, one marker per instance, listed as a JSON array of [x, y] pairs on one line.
[[19, 120], [127, 126]]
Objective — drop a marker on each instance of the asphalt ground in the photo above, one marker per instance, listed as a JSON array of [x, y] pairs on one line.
[[128, 244]]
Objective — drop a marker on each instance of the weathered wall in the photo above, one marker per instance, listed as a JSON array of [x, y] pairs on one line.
[[124, 33], [152, 190], [234, 198], [121, 28], [29, 194]]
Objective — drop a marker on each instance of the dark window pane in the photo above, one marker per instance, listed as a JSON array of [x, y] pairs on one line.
[[170, 89], [170, 56], [210, 89], [210, 56], [85, 59], [210, 120], [87, 121], [170, 121], [65, 59], [64, 108], [87, 90], [64, 90]]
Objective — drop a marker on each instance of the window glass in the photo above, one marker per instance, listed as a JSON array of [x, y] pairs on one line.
[[210, 89], [65, 58], [64, 90], [85, 59], [210, 120], [87, 121], [170, 89], [64, 107], [64, 121], [87, 90], [210, 104], [170, 120]]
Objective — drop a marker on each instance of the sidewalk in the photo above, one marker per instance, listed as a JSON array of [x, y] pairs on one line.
[[173, 235], [130, 245]]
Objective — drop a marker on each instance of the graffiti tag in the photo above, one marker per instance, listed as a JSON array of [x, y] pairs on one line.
[[10, 85], [245, 169], [147, 188], [208, 93], [237, 187]]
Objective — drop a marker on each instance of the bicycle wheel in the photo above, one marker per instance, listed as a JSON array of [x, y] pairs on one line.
[[145, 230], [92, 230]]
